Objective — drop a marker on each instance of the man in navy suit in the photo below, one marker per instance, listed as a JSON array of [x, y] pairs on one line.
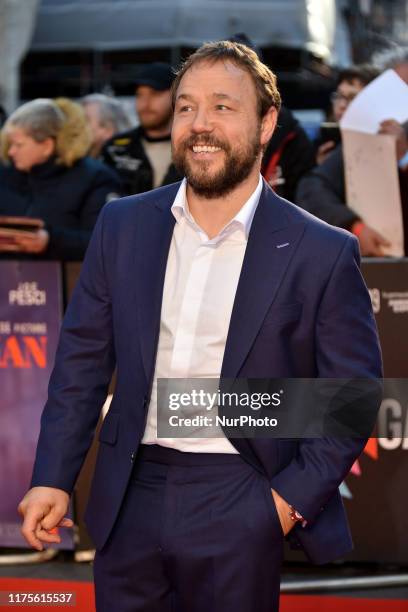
[[212, 277]]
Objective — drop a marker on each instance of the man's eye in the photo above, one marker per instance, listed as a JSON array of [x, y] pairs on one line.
[[222, 107], [184, 109]]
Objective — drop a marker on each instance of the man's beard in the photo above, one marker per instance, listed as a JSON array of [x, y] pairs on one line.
[[237, 166]]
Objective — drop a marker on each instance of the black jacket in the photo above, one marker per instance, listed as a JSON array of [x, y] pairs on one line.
[[125, 153], [323, 192], [68, 200], [289, 155]]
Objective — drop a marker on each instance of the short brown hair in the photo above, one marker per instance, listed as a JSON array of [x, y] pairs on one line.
[[243, 57], [365, 73]]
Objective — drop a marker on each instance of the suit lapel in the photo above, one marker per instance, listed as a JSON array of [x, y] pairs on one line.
[[272, 241], [154, 237]]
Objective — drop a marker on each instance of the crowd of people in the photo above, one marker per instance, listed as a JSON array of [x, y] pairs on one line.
[[323, 191], [63, 160], [47, 174]]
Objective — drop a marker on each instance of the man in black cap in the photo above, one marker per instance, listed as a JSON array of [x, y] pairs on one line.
[[142, 156]]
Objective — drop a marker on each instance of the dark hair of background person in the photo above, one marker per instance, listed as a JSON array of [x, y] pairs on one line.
[[362, 72]]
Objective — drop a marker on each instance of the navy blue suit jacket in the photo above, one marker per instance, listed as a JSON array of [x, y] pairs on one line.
[[299, 311]]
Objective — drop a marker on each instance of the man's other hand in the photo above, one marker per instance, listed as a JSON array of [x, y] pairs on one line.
[[43, 510]]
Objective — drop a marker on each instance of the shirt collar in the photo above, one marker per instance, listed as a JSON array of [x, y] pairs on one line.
[[242, 219]]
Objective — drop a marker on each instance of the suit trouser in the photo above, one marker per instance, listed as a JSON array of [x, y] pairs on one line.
[[196, 533]]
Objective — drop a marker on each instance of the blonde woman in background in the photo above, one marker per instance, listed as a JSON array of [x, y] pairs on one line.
[[46, 174]]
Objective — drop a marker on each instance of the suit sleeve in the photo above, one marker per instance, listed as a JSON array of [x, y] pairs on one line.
[[347, 347], [79, 382]]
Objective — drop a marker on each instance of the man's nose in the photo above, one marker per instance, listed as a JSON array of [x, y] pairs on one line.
[[202, 122]]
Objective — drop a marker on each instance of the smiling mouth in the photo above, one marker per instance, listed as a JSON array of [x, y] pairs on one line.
[[205, 149]]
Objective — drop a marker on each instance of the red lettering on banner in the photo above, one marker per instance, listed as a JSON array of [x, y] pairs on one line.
[[37, 347], [23, 353], [11, 354]]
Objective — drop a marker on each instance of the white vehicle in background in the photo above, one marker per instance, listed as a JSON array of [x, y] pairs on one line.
[[311, 25], [77, 47], [81, 46]]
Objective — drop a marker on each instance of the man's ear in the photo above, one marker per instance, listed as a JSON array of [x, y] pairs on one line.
[[268, 125]]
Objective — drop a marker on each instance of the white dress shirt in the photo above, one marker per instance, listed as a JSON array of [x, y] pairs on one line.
[[199, 291]]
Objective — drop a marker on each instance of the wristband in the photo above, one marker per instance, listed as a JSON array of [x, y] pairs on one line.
[[296, 517], [357, 228]]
